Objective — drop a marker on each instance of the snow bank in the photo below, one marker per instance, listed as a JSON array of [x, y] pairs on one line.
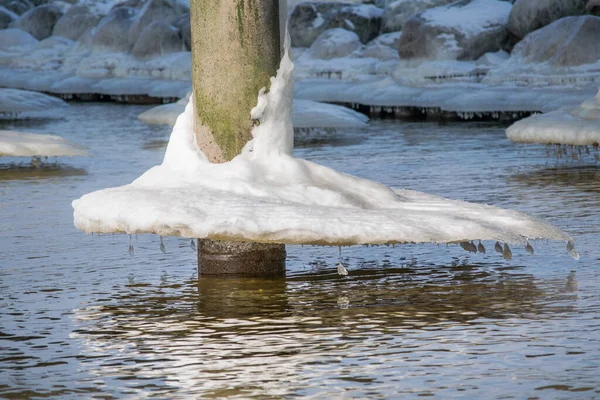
[[578, 126], [19, 144], [267, 195], [23, 103]]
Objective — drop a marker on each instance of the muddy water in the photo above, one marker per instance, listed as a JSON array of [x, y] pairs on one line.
[[80, 318]]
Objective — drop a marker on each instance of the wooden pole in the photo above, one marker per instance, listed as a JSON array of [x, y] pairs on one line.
[[235, 51]]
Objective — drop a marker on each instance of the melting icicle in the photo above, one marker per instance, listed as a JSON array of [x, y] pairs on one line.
[[529, 248], [506, 253], [472, 247], [162, 245], [131, 250], [498, 248], [193, 245], [481, 247], [465, 246]]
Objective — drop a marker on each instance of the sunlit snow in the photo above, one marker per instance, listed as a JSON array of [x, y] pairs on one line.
[[267, 195], [20, 144]]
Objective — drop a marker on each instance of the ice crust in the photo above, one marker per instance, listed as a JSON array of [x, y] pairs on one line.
[[267, 195], [22, 103], [20, 144], [579, 126]]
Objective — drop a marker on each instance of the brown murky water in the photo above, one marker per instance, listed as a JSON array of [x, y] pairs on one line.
[[80, 318]]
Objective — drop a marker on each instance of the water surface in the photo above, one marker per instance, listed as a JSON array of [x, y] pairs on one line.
[[80, 318]]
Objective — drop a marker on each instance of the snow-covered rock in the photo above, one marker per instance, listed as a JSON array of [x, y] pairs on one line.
[[309, 20], [397, 12], [112, 30], [157, 39], [528, 15], [156, 10], [21, 144], [76, 21], [6, 17], [579, 126], [383, 47], [463, 30], [16, 40], [17, 6], [185, 30], [334, 43], [15, 102], [570, 41], [39, 21]]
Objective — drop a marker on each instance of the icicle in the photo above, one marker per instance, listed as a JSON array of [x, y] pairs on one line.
[[340, 268], [498, 248], [529, 248], [506, 253], [162, 245], [472, 247], [481, 247], [465, 246], [131, 250], [193, 245]]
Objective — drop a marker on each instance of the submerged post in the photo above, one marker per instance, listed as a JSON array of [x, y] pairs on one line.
[[235, 51]]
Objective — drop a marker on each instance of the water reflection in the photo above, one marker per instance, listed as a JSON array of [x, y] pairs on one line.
[[45, 170], [583, 177], [266, 338]]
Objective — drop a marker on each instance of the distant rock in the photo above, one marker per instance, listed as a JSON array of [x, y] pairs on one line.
[[6, 17], [397, 12], [593, 7], [529, 15], [157, 39], [76, 21], [17, 6], [568, 42], [39, 21], [14, 39], [309, 20], [334, 43], [111, 32], [185, 30], [156, 10], [463, 30], [383, 47]]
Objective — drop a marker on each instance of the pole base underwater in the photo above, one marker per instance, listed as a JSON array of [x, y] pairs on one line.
[[216, 257]]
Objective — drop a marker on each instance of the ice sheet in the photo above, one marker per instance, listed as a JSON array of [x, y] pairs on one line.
[[267, 195], [578, 126], [20, 144]]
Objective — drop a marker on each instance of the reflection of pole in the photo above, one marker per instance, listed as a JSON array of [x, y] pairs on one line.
[[235, 50]]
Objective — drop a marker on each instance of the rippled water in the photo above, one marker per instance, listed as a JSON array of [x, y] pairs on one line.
[[81, 318]]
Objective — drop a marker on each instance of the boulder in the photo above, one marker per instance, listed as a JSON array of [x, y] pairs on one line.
[[39, 21], [129, 3], [568, 42], [156, 10], [39, 2], [463, 30], [334, 43], [6, 17], [13, 39], [76, 21], [156, 40], [528, 15], [309, 20], [111, 32], [593, 7], [183, 24], [396, 13], [17, 6], [383, 47]]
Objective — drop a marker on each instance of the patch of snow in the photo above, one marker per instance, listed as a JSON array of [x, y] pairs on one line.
[[579, 126], [20, 144], [367, 11], [267, 195], [472, 18]]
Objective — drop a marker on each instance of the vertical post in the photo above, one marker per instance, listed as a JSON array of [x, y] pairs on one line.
[[235, 51]]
